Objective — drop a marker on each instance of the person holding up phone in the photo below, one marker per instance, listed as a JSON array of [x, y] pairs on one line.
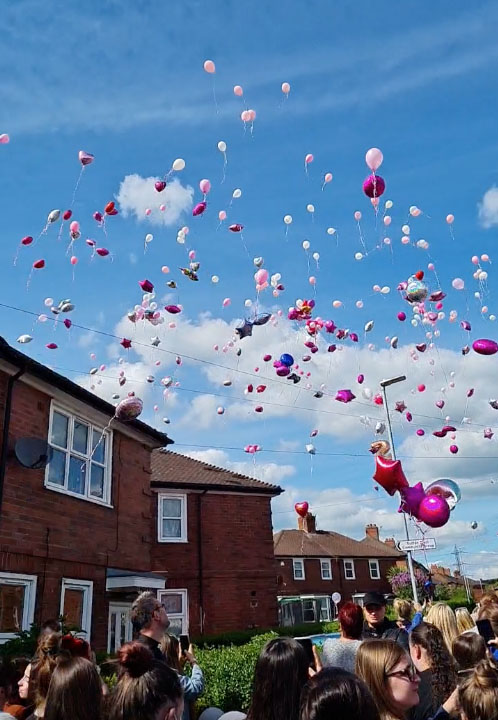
[[177, 656]]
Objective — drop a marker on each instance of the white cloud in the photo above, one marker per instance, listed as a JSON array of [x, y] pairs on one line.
[[272, 473], [137, 194], [488, 208]]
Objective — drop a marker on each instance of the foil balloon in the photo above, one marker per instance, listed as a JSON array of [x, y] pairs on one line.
[[129, 409], [485, 347], [374, 186], [344, 396], [199, 208], [286, 359], [85, 158], [411, 497], [434, 511], [474, 525], [416, 290], [447, 489], [389, 474], [301, 508]]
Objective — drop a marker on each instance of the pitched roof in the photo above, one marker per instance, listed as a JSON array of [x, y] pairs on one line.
[[325, 543], [42, 372], [172, 470]]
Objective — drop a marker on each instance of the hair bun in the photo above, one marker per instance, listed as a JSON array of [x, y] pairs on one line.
[[486, 674], [135, 658]]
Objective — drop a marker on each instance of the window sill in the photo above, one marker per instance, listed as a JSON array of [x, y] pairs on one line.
[[77, 496], [174, 541]]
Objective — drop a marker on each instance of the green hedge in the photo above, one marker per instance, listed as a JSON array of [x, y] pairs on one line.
[[241, 637]]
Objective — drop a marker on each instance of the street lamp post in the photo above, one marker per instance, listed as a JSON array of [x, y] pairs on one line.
[[385, 384]]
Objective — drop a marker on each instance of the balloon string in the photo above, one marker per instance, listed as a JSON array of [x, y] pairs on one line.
[[224, 167], [77, 185]]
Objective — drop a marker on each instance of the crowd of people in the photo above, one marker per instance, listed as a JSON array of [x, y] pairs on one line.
[[428, 664]]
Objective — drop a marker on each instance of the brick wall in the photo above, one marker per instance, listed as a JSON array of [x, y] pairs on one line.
[[313, 582], [237, 558], [54, 535]]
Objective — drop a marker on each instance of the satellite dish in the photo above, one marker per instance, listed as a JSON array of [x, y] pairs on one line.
[[33, 453]]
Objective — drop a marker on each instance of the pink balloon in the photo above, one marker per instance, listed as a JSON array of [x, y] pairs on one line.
[[485, 258], [357, 216], [387, 220], [245, 116], [74, 260], [308, 159], [222, 215], [252, 115], [165, 269], [205, 186], [162, 208], [261, 276], [374, 158], [238, 90], [226, 302], [450, 219], [209, 67], [312, 280], [475, 260], [148, 211], [4, 139], [85, 158], [458, 284], [328, 177], [74, 227]]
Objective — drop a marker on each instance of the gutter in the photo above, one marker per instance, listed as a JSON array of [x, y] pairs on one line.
[[5, 432]]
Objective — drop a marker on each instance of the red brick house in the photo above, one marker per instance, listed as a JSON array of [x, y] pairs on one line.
[[314, 564], [82, 534], [215, 543]]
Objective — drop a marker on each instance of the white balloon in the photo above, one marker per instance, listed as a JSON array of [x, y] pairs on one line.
[[222, 146], [310, 208], [331, 231], [237, 193], [287, 219], [215, 279], [248, 303], [149, 238], [316, 256], [385, 290], [358, 256], [178, 165], [306, 244]]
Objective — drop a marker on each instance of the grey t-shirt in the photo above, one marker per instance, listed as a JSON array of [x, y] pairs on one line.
[[340, 653]]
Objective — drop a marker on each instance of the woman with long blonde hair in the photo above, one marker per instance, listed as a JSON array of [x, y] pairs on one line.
[[389, 674], [442, 616], [464, 620]]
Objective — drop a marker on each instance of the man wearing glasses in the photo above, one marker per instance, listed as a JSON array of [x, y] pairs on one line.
[[150, 620]]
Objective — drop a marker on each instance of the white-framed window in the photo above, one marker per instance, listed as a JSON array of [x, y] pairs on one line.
[[176, 605], [81, 460], [76, 605], [326, 568], [373, 566], [172, 518], [349, 572], [17, 603], [298, 568], [119, 628]]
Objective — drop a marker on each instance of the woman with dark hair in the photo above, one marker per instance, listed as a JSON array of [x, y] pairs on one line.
[[341, 652], [147, 689], [75, 691], [479, 693], [281, 673], [435, 667], [468, 650], [193, 685], [336, 693]]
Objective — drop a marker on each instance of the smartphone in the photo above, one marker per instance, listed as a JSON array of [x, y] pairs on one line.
[[485, 630], [184, 643], [307, 645]]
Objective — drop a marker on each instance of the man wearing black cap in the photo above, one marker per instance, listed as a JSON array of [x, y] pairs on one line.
[[376, 625]]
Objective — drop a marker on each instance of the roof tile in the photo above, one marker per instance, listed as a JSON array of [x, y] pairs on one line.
[[325, 543]]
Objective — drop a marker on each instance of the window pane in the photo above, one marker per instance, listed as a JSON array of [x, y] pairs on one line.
[[59, 429], [57, 468], [77, 475], [11, 607], [173, 603], [172, 508], [73, 608], [176, 627], [80, 438], [99, 453], [97, 481], [172, 528]]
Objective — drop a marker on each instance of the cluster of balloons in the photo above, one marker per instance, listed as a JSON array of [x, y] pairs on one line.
[[431, 505]]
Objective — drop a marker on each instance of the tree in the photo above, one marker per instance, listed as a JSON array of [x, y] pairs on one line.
[[401, 583]]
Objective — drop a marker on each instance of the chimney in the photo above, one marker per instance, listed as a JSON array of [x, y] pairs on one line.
[[390, 542], [307, 524], [372, 531]]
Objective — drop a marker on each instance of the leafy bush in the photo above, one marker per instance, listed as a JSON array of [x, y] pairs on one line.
[[401, 583], [23, 645], [241, 637]]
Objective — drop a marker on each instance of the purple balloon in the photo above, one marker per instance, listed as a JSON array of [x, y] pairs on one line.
[[485, 347], [344, 396], [199, 208], [129, 409], [434, 511], [374, 186], [411, 497]]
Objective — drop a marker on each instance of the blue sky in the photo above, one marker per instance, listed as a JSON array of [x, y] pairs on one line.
[[125, 81]]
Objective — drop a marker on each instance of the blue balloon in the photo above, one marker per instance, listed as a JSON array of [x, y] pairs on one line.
[[286, 359]]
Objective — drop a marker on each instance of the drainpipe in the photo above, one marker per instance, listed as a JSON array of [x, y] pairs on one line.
[[6, 428], [200, 562]]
